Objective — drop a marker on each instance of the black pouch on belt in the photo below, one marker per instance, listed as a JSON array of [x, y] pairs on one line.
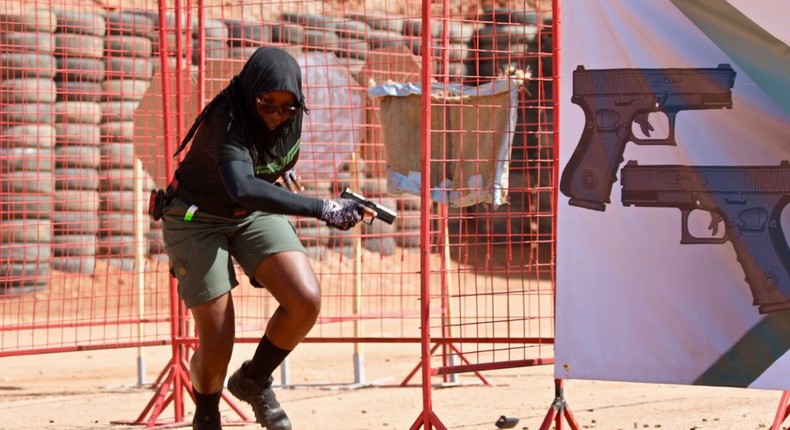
[[156, 204]]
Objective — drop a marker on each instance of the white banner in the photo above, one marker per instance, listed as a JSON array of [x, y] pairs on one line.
[[678, 270]]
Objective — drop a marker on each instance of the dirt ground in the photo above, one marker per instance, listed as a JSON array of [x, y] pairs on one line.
[[97, 389]]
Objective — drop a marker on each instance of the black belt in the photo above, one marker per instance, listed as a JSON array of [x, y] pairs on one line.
[[175, 189]]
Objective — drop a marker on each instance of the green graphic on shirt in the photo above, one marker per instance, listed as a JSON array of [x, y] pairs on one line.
[[278, 164]]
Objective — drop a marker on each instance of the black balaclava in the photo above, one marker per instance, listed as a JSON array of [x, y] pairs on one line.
[[268, 69]]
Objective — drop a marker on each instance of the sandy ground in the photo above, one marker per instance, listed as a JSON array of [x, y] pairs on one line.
[[96, 389]]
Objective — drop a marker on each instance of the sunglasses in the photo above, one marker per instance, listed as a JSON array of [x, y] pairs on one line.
[[269, 108]]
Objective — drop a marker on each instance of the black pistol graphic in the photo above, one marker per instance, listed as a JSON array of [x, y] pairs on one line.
[[613, 100], [748, 200]]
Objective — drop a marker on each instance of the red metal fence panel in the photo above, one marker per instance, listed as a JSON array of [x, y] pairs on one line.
[[91, 107]]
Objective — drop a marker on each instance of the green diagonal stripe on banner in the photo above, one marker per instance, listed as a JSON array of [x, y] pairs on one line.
[[766, 60], [762, 56], [752, 355]]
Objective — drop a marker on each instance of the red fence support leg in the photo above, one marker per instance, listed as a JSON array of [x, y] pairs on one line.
[[559, 410], [782, 411]]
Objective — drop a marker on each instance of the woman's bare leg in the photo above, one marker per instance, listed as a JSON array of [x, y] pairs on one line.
[[216, 329]]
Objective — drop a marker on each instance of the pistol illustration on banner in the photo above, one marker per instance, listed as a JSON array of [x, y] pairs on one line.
[[383, 213], [613, 101], [748, 200]]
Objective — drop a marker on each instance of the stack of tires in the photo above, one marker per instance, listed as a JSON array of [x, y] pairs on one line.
[[27, 139], [456, 51], [129, 70], [352, 45], [244, 37], [506, 40], [148, 27], [79, 42], [318, 35], [216, 40]]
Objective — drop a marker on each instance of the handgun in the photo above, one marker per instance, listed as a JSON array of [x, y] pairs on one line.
[[383, 213], [748, 200], [613, 100]]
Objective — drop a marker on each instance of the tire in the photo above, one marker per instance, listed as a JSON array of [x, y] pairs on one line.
[[128, 46], [320, 40], [129, 68], [27, 65], [455, 52], [80, 22], [32, 42], [460, 32], [81, 69], [214, 49], [350, 29], [501, 37], [117, 155], [124, 23], [79, 45], [31, 19], [71, 223], [78, 134], [307, 20], [117, 180], [27, 182], [76, 200], [25, 251], [115, 111], [125, 264], [27, 90], [379, 22], [27, 113], [16, 159], [116, 201], [78, 112], [23, 278], [215, 29], [77, 156], [247, 34], [76, 179], [508, 16], [288, 33], [26, 205], [83, 264], [26, 231], [387, 39], [385, 246], [413, 28], [74, 245], [117, 131], [125, 89], [78, 91], [351, 48], [116, 246], [40, 136]]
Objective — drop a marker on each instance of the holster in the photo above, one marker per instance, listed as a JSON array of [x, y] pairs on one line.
[[156, 204], [160, 198]]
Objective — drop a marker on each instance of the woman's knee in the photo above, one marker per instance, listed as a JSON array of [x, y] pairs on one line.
[[306, 305], [219, 348]]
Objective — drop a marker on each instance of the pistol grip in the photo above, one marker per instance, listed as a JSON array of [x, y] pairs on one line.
[[765, 258], [592, 169]]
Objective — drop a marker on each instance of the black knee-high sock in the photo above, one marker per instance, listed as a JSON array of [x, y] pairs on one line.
[[267, 357], [207, 405]]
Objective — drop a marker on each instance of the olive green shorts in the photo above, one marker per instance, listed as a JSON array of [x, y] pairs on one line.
[[200, 248]]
